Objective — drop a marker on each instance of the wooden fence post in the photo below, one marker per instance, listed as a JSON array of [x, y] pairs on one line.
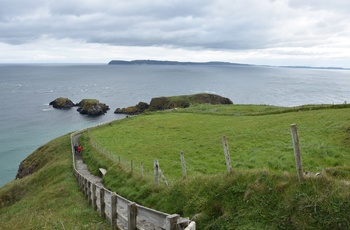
[[297, 153], [171, 222], [141, 168], [114, 211], [85, 187], [89, 192], [227, 154], [132, 214], [182, 156], [94, 198], [156, 172], [102, 202]]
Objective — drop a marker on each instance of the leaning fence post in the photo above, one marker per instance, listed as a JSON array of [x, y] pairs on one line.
[[227, 154], [297, 153], [182, 156], [132, 214], [156, 172], [163, 177]]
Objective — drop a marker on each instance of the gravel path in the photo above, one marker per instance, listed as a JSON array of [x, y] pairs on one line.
[[83, 169]]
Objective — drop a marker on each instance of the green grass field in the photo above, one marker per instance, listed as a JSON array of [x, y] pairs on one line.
[[263, 191], [255, 142]]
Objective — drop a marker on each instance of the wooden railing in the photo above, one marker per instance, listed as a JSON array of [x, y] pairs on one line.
[[123, 213]]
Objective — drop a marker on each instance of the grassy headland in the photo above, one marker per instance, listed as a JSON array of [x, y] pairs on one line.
[[263, 192], [48, 198]]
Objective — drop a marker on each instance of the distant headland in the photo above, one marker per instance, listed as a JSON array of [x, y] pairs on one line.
[[156, 62], [212, 63]]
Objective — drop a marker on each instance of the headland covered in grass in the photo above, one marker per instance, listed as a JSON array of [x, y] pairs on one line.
[[48, 198], [262, 192]]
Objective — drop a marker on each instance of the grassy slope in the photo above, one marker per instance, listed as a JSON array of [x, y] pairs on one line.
[[263, 192], [250, 198], [49, 198]]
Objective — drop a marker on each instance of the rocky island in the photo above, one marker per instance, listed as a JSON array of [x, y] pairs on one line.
[[62, 103], [91, 107]]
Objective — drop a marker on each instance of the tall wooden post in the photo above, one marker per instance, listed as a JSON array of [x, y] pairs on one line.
[[171, 222], [89, 191], [94, 198], [297, 153], [114, 211], [132, 214], [183, 163], [102, 202], [227, 154]]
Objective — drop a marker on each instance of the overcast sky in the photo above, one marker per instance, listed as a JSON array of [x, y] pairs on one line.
[[273, 32]]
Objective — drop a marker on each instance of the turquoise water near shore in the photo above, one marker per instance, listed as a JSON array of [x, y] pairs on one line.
[[27, 121]]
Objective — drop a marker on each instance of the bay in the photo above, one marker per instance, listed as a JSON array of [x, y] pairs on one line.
[[27, 121]]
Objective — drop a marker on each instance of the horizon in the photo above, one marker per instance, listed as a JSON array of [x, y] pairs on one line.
[[194, 62]]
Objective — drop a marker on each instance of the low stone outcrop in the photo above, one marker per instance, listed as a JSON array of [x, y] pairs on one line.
[[62, 103], [133, 110], [92, 107]]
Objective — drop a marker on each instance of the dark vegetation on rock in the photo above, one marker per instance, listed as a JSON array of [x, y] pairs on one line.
[[62, 103], [183, 101], [92, 107], [133, 110]]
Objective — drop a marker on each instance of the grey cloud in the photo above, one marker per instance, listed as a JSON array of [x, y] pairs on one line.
[[207, 24]]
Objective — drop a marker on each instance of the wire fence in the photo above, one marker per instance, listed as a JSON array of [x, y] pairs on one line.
[[276, 146]]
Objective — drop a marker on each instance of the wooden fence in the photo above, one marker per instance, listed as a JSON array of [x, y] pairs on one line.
[[123, 213]]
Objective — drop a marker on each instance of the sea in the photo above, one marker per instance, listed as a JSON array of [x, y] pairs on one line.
[[27, 121]]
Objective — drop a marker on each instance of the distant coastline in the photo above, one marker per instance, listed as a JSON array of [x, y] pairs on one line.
[[156, 62], [217, 63]]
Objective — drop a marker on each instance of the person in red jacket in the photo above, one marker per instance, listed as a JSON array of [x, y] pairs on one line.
[[79, 149]]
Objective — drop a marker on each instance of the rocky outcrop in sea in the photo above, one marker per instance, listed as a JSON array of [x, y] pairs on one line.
[[91, 107], [62, 103]]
